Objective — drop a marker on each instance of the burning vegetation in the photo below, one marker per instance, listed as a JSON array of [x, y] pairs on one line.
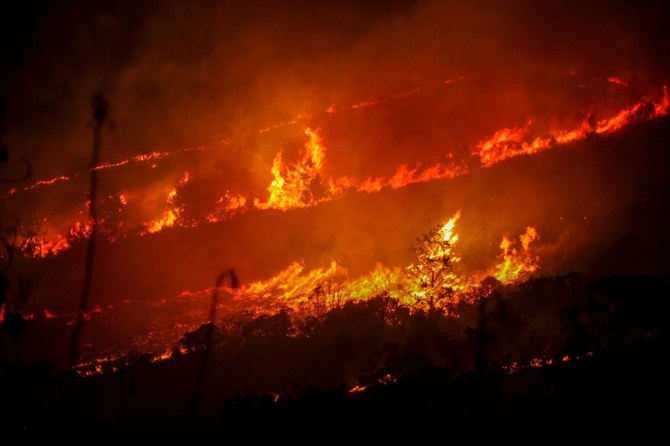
[[430, 218], [301, 184]]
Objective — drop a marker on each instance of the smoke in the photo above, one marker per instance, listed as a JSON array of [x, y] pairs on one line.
[[408, 81]]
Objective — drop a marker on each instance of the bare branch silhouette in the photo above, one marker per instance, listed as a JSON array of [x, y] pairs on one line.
[[195, 398], [100, 112]]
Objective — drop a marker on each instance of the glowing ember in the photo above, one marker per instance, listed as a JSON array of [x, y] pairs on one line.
[[617, 81], [294, 121]]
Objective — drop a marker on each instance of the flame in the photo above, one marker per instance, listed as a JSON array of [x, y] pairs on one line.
[[300, 184], [172, 215], [371, 185], [517, 264], [166, 221], [292, 183], [47, 182], [48, 245], [143, 158], [146, 158], [510, 142], [292, 287], [318, 290], [404, 176], [227, 206], [447, 231], [642, 111], [323, 288], [372, 102], [294, 121], [436, 275], [167, 354]]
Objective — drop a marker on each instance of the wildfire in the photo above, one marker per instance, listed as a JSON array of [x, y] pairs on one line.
[[318, 290], [300, 184], [434, 280]]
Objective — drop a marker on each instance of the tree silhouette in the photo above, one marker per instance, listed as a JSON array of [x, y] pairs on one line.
[[431, 279], [12, 322]]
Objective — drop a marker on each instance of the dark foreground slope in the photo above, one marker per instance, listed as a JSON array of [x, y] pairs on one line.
[[553, 357]]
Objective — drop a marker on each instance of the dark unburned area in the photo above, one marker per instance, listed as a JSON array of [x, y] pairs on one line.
[[555, 357]]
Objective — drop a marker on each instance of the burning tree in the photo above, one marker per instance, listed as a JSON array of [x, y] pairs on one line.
[[431, 281]]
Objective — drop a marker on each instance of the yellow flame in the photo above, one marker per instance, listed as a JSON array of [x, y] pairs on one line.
[[517, 264], [300, 289], [292, 183]]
